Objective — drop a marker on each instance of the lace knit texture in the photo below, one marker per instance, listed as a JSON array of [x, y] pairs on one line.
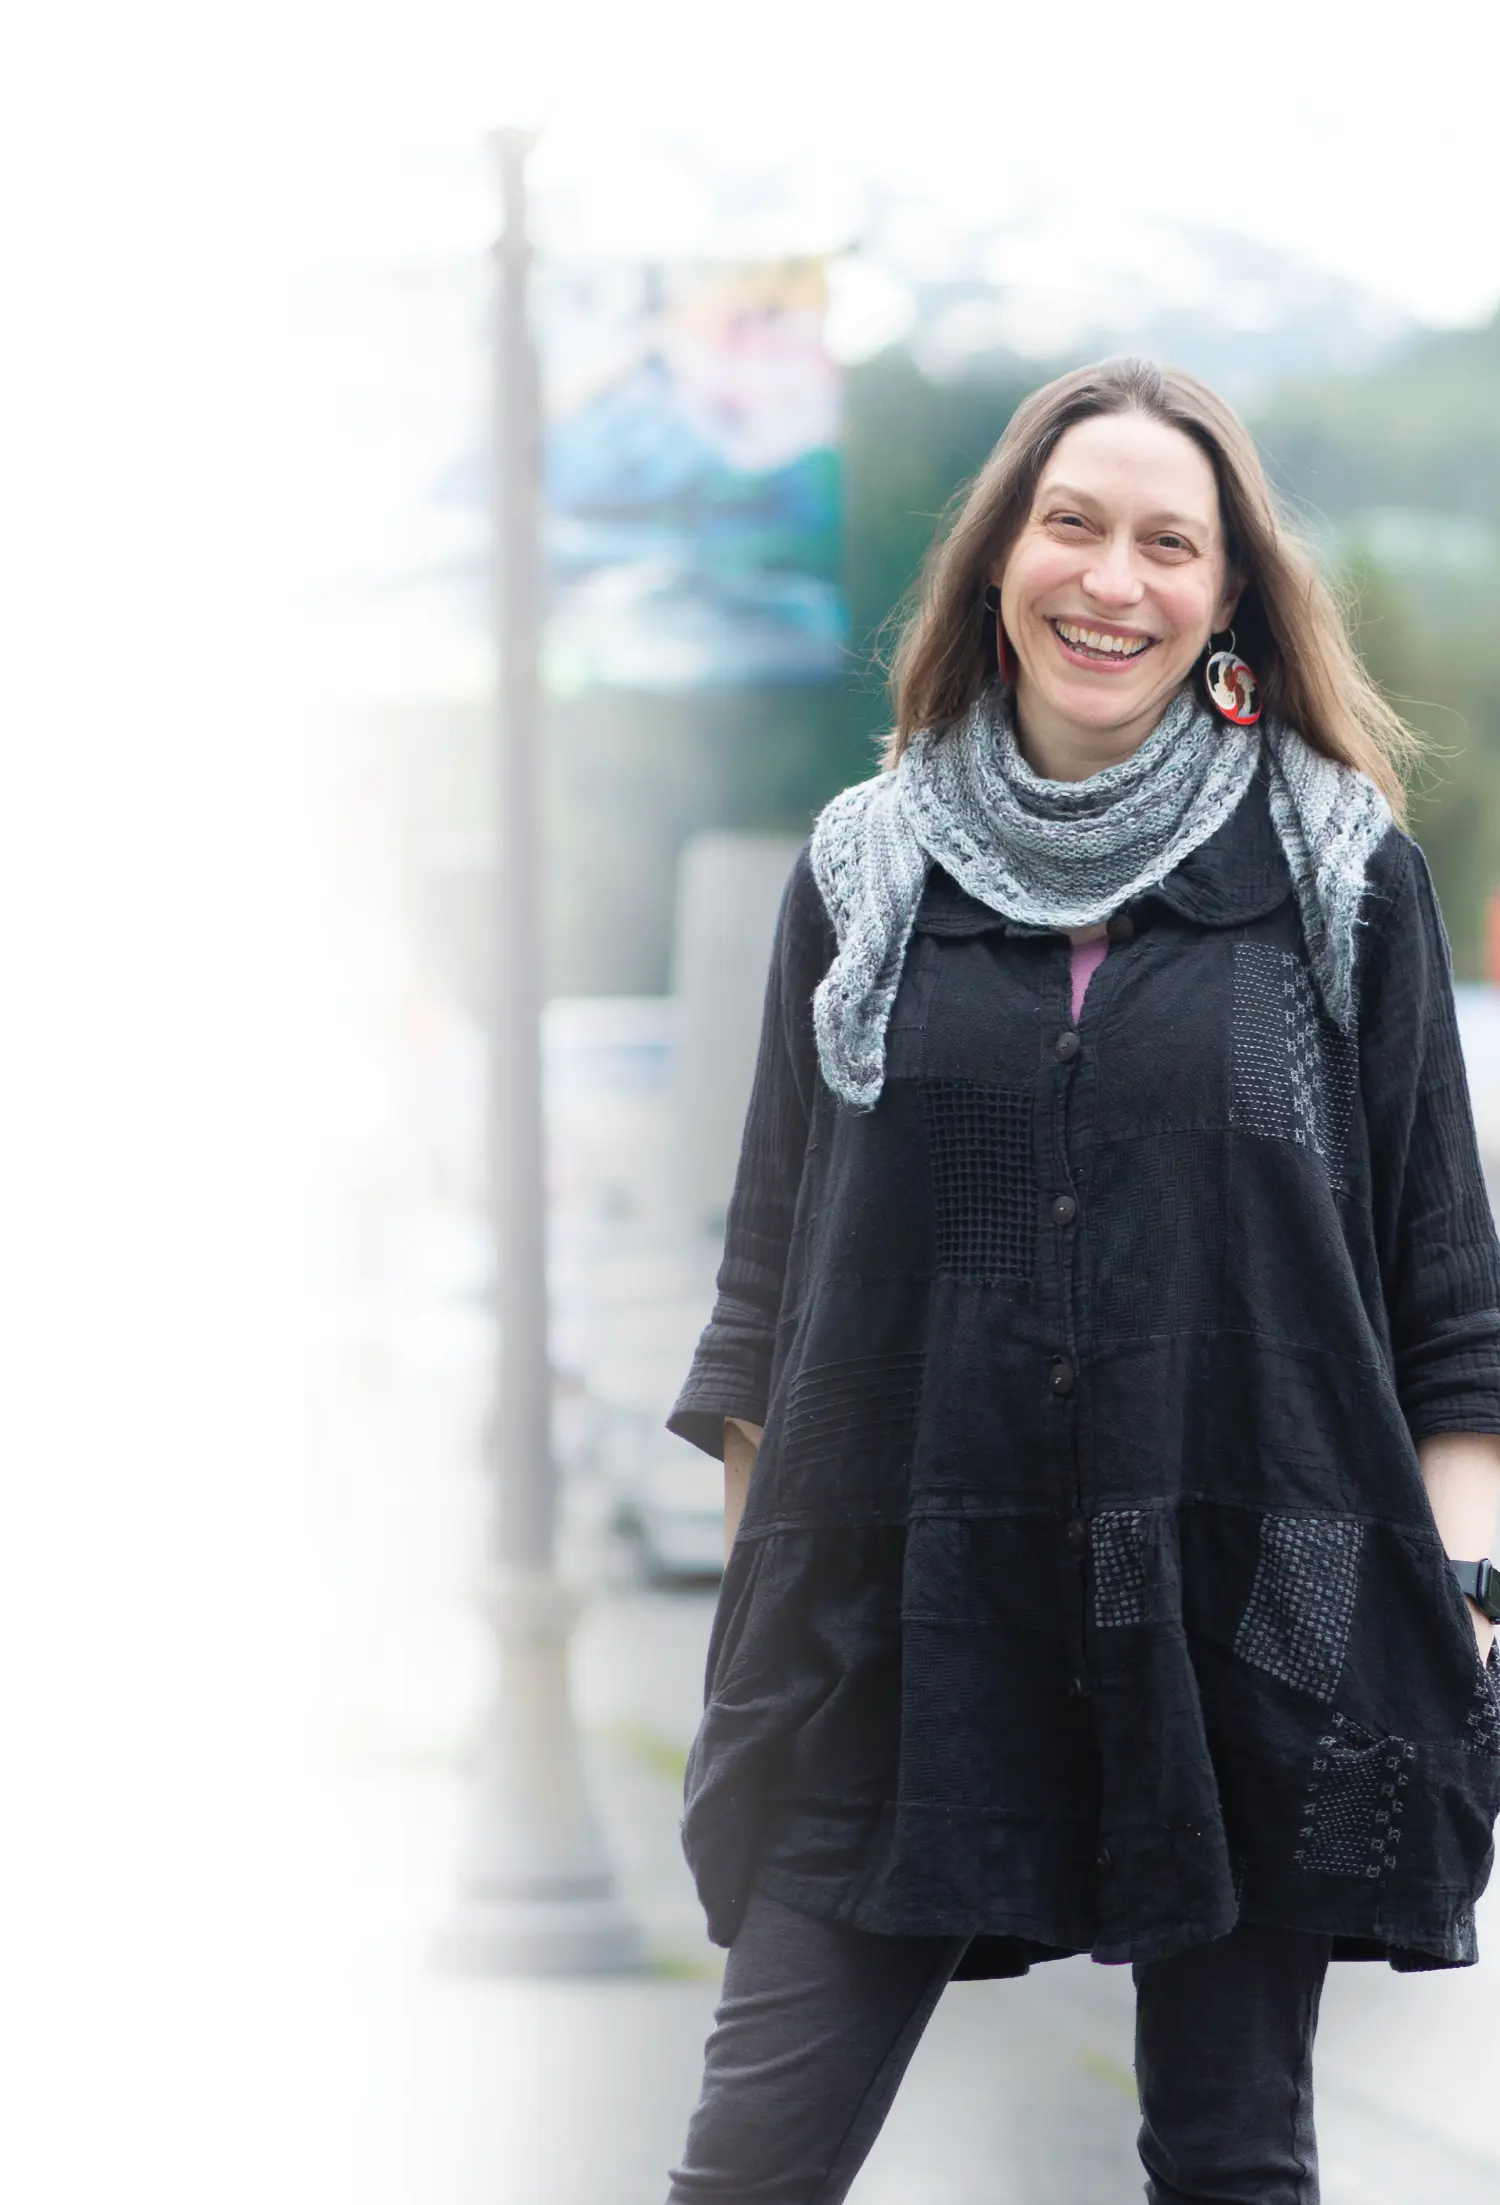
[[1068, 853]]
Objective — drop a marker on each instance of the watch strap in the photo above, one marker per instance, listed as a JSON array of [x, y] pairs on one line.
[[1479, 1582]]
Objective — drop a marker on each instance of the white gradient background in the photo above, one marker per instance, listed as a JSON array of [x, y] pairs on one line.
[[179, 1977]]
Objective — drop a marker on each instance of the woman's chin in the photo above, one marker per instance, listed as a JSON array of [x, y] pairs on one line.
[[1101, 705]]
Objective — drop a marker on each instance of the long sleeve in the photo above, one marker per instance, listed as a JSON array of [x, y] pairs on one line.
[[1440, 1262], [731, 1371]]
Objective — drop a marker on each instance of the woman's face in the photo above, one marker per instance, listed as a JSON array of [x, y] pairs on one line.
[[1116, 581]]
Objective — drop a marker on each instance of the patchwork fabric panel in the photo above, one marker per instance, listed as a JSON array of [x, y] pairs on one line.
[[875, 1396], [1296, 1621], [1163, 1206], [1295, 1074], [984, 1184], [1350, 1822], [1119, 1544], [1483, 1719]]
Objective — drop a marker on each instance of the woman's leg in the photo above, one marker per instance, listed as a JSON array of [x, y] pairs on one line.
[[1223, 2062], [812, 2036]]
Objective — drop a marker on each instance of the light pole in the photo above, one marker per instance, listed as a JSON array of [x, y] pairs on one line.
[[537, 1893]]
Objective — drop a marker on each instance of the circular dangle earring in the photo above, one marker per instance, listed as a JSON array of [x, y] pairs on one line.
[[1005, 657], [1233, 690]]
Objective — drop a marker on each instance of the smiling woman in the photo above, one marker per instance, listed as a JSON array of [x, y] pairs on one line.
[[1128, 503], [1119, 570], [1107, 1352]]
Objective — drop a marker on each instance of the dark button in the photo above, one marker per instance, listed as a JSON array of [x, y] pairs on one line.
[[1075, 1688], [1121, 928], [1103, 1859], [1066, 1046], [1077, 1533], [1060, 1377], [1064, 1209]]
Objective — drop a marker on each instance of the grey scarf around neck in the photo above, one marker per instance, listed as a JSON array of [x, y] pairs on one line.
[[1061, 854]]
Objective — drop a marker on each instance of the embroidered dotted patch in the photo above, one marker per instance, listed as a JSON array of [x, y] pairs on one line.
[[984, 1183], [1296, 1622], [1350, 1821], [1295, 1074], [1119, 1550], [1483, 1719]]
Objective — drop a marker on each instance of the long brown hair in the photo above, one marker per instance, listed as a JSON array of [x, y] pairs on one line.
[[1287, 622]]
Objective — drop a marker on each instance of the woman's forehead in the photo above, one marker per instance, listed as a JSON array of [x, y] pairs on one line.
[[1129, 457]]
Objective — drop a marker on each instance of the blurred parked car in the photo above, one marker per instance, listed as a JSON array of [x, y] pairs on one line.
[[668, 1514]]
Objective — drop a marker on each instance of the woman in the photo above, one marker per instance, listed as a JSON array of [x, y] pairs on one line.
[[1106, 1360]]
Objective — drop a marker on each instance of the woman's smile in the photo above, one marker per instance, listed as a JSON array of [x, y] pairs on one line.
[[1110, 649]]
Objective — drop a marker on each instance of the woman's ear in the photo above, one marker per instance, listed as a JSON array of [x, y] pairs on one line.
[[1224, 611]]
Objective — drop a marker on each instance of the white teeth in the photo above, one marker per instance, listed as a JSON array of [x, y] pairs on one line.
[[1090, 639]]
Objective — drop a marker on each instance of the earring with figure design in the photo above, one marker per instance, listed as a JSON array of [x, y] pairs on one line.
[[1233, 690]]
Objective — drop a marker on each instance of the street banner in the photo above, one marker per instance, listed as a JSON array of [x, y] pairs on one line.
[[692, 477]]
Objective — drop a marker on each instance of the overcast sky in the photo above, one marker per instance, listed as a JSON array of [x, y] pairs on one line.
[[1361, 136]]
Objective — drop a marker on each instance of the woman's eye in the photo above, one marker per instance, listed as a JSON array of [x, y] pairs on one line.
[[1173, 543], [1067, 520]]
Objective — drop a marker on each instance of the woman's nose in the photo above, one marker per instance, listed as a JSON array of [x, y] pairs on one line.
[[1112, 578]]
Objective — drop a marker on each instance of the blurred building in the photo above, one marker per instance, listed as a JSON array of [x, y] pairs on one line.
[[1479, 1027]]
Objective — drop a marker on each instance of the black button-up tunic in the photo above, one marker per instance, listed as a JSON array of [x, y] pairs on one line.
[[1087, 1597]]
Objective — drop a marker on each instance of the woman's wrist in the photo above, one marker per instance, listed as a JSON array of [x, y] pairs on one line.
[[741, 1440]]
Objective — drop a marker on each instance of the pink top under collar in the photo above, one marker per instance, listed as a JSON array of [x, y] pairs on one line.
[[1087, 958]]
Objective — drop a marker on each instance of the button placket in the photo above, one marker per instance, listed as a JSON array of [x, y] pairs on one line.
[[1060, 1211]]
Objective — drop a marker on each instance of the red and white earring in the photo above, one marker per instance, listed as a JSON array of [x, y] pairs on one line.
[[1233, 690], [1005, 657]]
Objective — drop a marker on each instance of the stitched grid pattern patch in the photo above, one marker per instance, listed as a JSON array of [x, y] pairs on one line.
[[1119, 1546], [983, 1179], [869, 1397], [1356, 1792], [1296, 1621], [1295, 1074], [1483, 1718]]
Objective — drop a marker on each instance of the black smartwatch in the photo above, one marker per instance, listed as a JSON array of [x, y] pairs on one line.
[[1479, 1582]]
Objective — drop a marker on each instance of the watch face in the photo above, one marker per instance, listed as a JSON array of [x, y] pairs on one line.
[[1487, 1590]]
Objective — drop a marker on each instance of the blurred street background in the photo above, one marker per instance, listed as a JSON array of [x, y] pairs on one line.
[[788, 277]]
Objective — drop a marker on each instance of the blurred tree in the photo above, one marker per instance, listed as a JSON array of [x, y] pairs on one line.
[[1421, 432], [1432, 660], [1395, 468]]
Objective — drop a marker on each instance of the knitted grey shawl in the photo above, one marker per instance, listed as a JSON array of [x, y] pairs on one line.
[[1061, 854]]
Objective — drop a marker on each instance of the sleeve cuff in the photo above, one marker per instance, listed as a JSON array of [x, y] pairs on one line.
[[706, 1400], [1480, 1413]]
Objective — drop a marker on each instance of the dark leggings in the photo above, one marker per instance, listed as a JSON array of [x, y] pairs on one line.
[[817, 2023]]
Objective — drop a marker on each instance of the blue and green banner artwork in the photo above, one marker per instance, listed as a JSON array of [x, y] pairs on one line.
[[692, 478]]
